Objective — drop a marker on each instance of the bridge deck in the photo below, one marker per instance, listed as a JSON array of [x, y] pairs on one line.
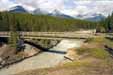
[[50, 35]]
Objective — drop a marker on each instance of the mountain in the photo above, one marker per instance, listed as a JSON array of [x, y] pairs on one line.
[[90, 17], [97, 17], [21, 9], [18, 9], [39, 11], [57, 13]]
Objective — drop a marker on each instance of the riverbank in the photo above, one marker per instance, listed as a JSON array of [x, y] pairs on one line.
[[43, 60], [95, 57]]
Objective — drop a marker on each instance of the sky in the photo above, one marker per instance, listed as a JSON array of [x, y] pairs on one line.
[[70, 7]]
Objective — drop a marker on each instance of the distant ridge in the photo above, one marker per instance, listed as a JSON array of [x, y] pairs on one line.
[[57, 13], [18, 9]]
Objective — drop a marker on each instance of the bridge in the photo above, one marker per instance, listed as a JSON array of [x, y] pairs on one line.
[[50, 35]]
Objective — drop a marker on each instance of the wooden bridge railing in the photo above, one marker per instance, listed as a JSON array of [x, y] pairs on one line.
[[50, 34]]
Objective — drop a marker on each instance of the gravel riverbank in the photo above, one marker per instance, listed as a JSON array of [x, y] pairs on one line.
[[43, 60]]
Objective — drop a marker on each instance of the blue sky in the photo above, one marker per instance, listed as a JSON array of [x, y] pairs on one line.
[[71, 7]]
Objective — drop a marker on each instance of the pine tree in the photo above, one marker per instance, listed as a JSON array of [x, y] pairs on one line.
[[13, 32]]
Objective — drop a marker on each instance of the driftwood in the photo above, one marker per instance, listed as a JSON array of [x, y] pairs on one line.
[[68, 58]]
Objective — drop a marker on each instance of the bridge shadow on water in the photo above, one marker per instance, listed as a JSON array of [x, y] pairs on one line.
[[45, 49], [3, 40]]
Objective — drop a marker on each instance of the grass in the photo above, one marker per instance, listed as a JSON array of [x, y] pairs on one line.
[[96, 47], [94, 52], [85, 63], [100, 53], [97, 40], [76, 64], [100, 40]]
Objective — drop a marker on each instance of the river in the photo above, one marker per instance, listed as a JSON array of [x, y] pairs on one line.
[[44, 59]]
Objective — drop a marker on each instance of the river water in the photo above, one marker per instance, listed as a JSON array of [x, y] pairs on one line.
[[44, 59]]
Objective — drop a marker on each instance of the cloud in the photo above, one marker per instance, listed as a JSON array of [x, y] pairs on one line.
[[51, 4], [48, 5], [91, 6], [104, 7], [4, 4], [71, 7]]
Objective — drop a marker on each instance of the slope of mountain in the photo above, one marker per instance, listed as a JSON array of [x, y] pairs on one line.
[[97, 17], [39, 11], [90, 17], [21, 9], [57, 13], [18, 9]]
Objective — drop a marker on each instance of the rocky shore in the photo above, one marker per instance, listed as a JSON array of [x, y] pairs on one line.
[[9, 56]]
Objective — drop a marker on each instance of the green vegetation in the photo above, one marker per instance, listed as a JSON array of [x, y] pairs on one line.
[[96, 47], [45, 23], [76, 64], [29, 22], [100, 41], [13, 39], [97, 40], [106, 25], [12, 28], [94, 52]]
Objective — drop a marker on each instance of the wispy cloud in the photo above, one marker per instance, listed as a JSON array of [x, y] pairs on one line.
[[48, 5], [104, 7], [71, 7], [4, 4]]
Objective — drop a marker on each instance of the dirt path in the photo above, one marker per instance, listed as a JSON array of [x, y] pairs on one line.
[[43, 60]]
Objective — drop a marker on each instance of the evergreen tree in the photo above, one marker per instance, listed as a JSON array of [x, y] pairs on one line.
[[13, 32]]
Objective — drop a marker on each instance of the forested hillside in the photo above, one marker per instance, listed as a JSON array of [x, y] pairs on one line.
[[29, 22], [107, 24]]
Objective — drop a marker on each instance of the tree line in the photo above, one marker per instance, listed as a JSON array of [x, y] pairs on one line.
[[42, 23], [106, 25], [45, 23]]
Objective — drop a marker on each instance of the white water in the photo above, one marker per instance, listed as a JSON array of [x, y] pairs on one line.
[[43, 60]]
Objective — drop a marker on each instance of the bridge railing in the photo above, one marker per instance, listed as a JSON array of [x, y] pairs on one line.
[[49, 34], [4, 33]]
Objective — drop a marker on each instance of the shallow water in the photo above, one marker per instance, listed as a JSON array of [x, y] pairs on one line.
[[43, 60]]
